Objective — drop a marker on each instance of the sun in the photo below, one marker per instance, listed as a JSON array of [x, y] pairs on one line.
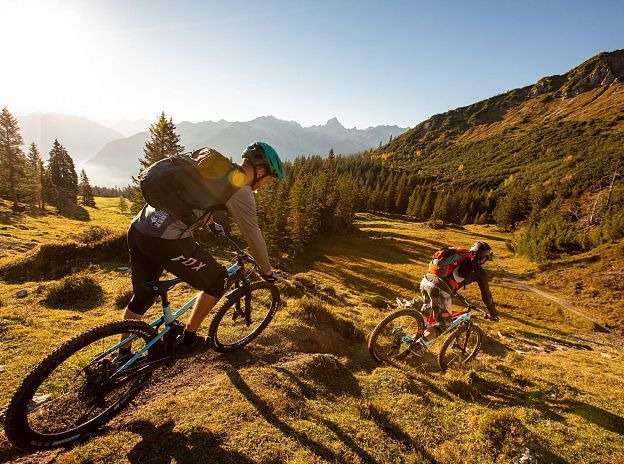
[[43, 30]]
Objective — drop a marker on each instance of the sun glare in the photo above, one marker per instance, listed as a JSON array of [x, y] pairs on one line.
[[42, 27]]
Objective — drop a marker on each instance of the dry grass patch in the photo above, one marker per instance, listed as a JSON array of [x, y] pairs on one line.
[[51, 261]]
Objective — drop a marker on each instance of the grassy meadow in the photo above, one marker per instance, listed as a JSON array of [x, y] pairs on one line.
[[546, 384]]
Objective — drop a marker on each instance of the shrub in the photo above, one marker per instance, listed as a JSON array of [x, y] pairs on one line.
[[94, 234], [290, 289], [320, 315], [305, 280], [52, 261], [75, 292]]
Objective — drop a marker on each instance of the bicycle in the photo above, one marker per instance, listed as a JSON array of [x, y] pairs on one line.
[[79, 387], [392, 339]]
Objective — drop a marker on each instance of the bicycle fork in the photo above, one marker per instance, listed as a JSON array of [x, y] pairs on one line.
[[245, 287]]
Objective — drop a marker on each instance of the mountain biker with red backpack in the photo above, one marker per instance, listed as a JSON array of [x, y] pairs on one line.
[[450, 270], [181, 192]]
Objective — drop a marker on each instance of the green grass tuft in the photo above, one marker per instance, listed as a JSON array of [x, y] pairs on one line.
[[76, 292]]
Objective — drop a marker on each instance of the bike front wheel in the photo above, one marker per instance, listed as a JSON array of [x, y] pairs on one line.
[[231, 328], [393, 336], [461, 346], [74, 391]]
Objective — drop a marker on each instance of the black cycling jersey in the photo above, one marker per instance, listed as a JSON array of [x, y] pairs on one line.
[[473, 272]]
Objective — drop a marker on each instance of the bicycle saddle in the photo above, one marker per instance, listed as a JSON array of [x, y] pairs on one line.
[[162, 286]]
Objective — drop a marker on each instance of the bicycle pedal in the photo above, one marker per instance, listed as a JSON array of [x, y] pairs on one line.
[[418, 350]]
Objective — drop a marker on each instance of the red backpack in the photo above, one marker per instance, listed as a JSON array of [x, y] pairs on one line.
[[446, 260]]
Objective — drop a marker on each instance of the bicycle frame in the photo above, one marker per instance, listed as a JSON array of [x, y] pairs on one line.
[[235, 272], [459, 317]]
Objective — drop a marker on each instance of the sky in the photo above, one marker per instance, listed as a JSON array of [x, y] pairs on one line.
[[367, 63]]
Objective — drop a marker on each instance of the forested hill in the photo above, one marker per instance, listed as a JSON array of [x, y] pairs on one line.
[[567, 127]]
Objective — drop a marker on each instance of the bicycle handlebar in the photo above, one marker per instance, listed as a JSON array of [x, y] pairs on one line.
[[241, 255], [471, 306]]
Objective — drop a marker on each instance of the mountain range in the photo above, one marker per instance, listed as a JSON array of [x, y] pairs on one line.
[[117, 161], [110, 155], [82, 138]]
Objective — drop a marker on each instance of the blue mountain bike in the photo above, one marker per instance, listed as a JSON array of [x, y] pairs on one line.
[[80, 386]]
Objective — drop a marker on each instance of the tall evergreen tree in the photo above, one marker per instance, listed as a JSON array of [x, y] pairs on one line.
[[63, 175], [300, 223], [48, 190], [164, 142], [122, 205], [35, 181], [428, 204], [331, 158], [86, 191], [12, 158], [512, 207]]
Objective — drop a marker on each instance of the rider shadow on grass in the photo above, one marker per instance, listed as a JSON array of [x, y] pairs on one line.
[[267, 413], [161, 445]]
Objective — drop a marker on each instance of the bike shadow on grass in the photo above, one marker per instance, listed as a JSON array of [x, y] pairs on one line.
[[550, 399], [264, 409], [162, 445]]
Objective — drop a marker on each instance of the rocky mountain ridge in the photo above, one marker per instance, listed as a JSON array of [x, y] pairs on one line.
[[564, 128]]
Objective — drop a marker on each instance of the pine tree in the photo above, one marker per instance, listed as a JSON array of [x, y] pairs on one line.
[[12, 158], [48, 190], [164, 142], [512, 208], [85, 190], [428, 204], [122, 205], [35, 184], [331, 158], [63, 175], [402, 196], [413, 205], [390, 196], [301, 216], [439, 208]]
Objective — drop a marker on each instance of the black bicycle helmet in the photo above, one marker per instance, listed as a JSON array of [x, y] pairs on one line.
[[483, 252]]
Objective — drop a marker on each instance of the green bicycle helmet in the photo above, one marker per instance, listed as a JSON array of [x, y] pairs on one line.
[[263, 154]]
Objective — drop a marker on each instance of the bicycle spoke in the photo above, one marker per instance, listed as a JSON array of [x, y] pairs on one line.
[[395, 335], [233, 327]]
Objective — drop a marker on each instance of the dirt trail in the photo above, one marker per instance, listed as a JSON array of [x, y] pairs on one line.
[[555, 299], [613, 339]]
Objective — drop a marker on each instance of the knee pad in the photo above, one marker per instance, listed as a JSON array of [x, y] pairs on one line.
[[140, 305]]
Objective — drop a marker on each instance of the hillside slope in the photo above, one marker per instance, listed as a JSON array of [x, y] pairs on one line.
[[568, 127], [307, 392]]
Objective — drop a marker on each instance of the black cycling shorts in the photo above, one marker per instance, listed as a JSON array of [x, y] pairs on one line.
[[184, 258]]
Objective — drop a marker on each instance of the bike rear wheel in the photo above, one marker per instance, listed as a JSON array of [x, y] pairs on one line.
[[230, 330], [461, 346], [74, 391], [393, 336]]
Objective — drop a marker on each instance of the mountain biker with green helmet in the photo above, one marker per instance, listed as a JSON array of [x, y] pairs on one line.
[[160, 241], [450, 270]]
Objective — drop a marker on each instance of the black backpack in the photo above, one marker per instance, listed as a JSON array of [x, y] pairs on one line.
[[201, 180]]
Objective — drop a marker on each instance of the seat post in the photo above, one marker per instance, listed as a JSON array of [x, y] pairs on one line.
[[164, 299]]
